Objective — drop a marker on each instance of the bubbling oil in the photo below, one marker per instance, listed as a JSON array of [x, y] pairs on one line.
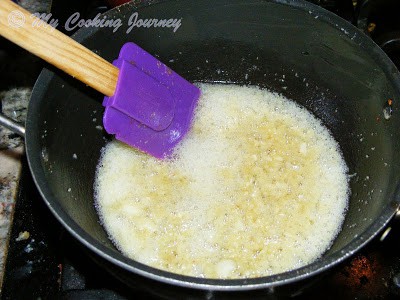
[[258, 187]]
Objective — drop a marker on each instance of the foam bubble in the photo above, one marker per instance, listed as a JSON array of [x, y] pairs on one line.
[[257, 187]]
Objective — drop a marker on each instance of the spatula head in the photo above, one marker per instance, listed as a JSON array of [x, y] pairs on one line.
[[152, 107]]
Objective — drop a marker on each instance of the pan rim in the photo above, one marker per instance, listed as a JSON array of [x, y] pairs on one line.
[[132, 266]]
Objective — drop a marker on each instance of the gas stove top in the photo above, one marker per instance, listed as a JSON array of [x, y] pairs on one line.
[[50, 264]]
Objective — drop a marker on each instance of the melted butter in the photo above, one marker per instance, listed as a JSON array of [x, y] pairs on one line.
[[258, 187]]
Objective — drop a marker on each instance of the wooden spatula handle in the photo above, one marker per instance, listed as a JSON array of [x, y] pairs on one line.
[[18, 25]]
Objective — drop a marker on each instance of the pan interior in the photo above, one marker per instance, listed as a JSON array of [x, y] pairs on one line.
[[305, 55]]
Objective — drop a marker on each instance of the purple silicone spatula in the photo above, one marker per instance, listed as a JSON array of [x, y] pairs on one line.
[[147, 105], [152, 106]]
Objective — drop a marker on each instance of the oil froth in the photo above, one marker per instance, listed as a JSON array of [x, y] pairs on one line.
[[257, 187]]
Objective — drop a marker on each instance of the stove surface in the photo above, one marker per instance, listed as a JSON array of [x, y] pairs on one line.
[[45, 262], [51, 264]]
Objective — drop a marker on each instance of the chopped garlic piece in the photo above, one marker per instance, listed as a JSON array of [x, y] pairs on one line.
[[257, 187]]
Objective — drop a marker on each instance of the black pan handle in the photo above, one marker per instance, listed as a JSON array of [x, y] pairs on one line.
[[12, 125]]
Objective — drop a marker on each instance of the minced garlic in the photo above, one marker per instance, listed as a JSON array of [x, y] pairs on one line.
[[257, 187]]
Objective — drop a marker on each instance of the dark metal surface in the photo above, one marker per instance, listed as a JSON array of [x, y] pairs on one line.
[[12, 125], [51, 264], [340, 75], [347, 86], [381, 14], [380, 20], [342, 8]]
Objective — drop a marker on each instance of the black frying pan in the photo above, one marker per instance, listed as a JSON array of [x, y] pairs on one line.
[[330, 68]]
